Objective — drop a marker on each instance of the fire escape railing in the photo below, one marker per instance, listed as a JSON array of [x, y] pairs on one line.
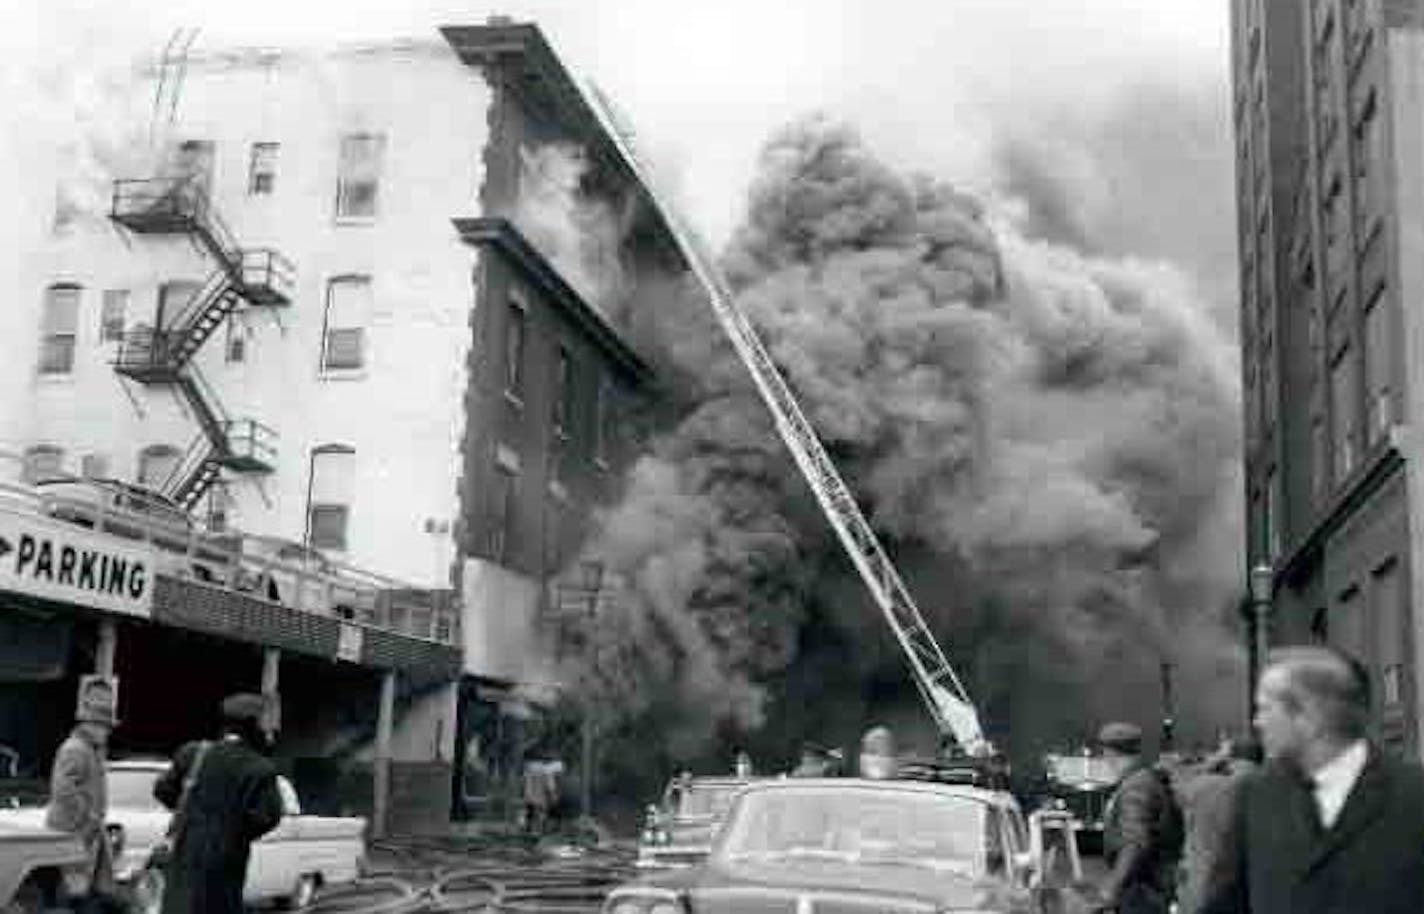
[[164, 355]]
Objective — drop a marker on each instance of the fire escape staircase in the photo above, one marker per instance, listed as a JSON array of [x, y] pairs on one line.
[[164, 355]]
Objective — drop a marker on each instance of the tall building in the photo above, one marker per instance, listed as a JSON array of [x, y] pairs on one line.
[[309, 301], [1328, 107]]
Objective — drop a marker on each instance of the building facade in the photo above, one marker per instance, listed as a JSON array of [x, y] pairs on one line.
[[1327, 114], [306, 307]]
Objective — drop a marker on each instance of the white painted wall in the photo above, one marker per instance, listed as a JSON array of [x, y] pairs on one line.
[[501, 639], [403, 413]]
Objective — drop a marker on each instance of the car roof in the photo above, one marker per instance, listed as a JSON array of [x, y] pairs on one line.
[[984, 795], [138, 764], [106, 482], [714, 781]]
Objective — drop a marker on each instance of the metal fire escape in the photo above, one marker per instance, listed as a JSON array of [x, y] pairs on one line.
[[943, 694], [164, 354]]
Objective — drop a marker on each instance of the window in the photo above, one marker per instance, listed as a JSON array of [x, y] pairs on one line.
[[1347, 625], [156, 465], [43, 461], [515, 332], [553, 536], [174, 299], [219, 506], [504, 513], [1388, 610], [1319, 458], [1270, 516], [1343, 413], [262, 169], [348, 310], [563, 393], [94, 466], [60, 322], [112, 313], [194, 160], [330, 490], [236, 348], [1379, 367], [359, 175], [602, 420]]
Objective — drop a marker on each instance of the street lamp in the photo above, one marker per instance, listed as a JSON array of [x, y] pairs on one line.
[[1262, 586]]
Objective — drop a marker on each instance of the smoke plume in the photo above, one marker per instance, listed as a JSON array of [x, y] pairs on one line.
[[579, 231], [1045, 437]]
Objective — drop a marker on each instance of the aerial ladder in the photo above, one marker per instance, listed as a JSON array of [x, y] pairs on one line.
[[941, 690]]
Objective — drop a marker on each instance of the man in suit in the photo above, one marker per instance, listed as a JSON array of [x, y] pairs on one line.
[[1141, 829], [1330, 824], [79, 797], [230, 800]]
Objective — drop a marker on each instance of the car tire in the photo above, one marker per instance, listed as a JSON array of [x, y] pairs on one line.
[[303, 893], [29, 898], [146, 891]]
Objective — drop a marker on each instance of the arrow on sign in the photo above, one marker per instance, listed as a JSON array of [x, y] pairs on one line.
[[5, 547]]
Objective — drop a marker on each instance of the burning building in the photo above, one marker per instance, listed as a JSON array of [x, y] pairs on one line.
[[300, 306]]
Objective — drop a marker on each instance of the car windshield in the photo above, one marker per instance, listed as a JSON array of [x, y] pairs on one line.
[[862, 825], [132, 788], [705, 799]]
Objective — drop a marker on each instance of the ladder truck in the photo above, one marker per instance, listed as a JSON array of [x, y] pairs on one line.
[[940, 689]]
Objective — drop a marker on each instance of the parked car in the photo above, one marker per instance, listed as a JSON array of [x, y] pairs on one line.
[[30, 860], [678, 831], [852, 844], [297, 575], [288, 865], [133, 512]]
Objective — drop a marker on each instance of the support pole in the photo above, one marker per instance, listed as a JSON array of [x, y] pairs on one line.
[[382, 773], [107, 648], [271, 690]]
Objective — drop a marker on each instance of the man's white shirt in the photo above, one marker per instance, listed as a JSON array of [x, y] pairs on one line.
[[1334, 780]]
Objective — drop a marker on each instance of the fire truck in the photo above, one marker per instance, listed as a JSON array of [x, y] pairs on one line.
[[1081, 783]]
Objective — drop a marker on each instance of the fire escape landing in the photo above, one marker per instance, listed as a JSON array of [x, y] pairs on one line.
[[164, 355]]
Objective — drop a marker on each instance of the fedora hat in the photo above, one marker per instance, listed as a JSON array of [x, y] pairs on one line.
[[96, 702]]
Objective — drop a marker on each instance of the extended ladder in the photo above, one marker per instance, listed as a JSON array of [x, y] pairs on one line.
[[943, 694]]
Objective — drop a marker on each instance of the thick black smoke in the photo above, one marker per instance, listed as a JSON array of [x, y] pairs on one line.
[[1045, 438]]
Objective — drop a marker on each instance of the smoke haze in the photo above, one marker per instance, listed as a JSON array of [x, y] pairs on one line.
[[1046, 436]]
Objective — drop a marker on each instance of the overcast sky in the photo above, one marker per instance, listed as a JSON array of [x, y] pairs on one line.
[[1110, 116]]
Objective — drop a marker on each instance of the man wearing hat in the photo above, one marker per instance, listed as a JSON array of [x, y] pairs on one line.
[[1142, 829], [813, 764], [79, 798], [224, 796]]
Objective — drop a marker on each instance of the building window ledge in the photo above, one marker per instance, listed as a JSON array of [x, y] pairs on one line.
[[341, 374]]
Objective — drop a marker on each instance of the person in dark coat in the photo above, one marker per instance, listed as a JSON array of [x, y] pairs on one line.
[[232, 801], [1210, 816], [1141, 830], [1330, 824]]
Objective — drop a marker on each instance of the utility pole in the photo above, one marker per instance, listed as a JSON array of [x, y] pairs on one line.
[[593, 583]]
